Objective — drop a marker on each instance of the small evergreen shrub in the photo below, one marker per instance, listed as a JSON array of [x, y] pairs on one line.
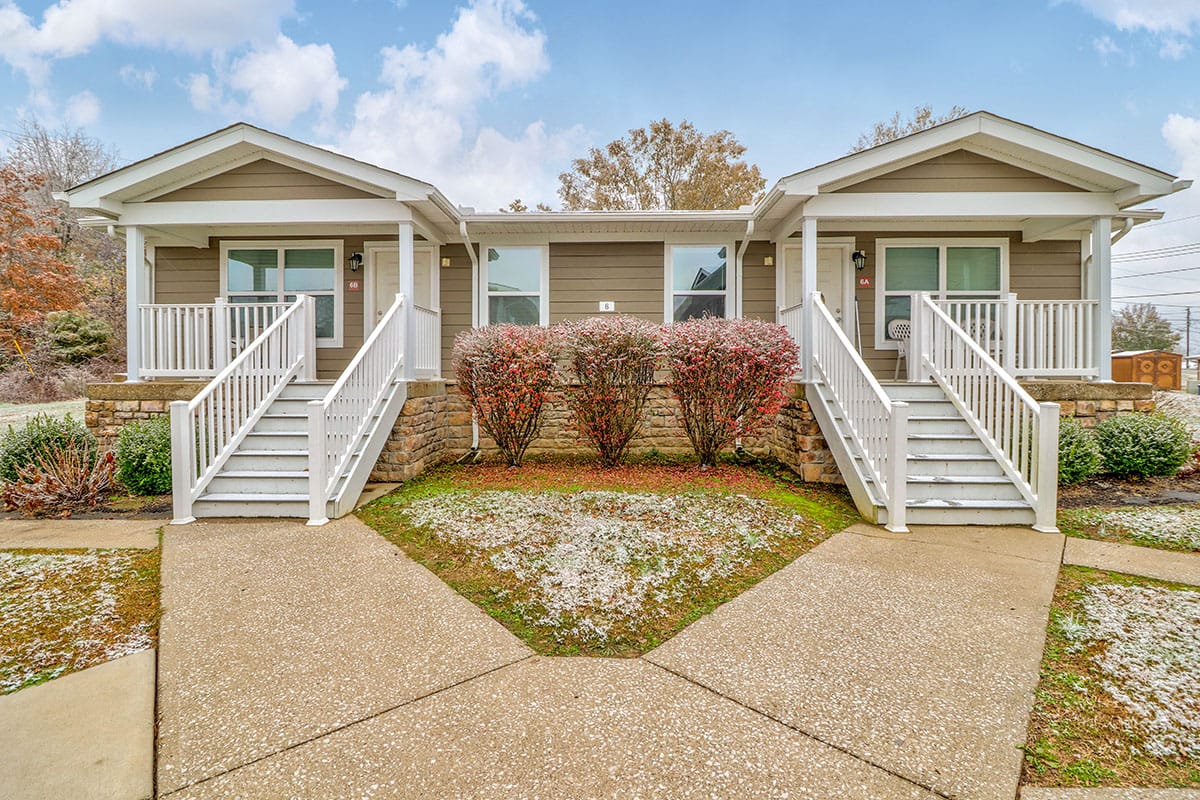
[[144, 456], [612, 359], [730, 378], [1078, 453], [1139, 445], [40, 438], [75, 337], [507, 373]]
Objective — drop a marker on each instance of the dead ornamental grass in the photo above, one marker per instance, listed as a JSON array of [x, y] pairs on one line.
[[66, 610], [601, 571], [1118, 703]]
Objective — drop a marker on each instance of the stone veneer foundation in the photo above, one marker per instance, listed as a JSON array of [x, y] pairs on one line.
[[434, 425]]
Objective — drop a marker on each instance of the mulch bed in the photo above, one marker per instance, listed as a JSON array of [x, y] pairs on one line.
[[1109, 491]]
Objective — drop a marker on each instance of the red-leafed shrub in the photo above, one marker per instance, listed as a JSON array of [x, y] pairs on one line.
[[612, 359], [729, 376], [66, 477], [507, 373]]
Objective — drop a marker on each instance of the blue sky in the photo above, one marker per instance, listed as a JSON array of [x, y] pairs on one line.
[[491, 98]]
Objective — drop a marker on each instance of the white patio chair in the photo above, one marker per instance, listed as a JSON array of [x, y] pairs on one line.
[[900, 331]]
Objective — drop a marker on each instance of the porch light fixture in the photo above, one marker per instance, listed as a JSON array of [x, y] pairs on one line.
[[860, 259], [445, 261], [356, 262]]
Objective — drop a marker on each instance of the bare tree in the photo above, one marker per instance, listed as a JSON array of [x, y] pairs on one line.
[[64, 158], [922, 118], [662, 166]]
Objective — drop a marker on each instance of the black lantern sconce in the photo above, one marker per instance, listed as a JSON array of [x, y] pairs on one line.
[[356, 262], [860, 260]]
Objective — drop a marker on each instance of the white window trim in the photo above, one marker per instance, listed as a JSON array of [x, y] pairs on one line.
[[731, 288], [881, 245], [294, 244], [420, 250], [543, 292]]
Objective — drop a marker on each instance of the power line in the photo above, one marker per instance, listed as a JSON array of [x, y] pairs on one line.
[[1167, 222], [1148, 274], [1156, 294], [1157, 250]]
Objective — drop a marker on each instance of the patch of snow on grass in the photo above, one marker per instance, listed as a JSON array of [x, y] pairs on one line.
[[1183, 406], [595, 559], [1178, 525], [49, 624], [1150, 660]]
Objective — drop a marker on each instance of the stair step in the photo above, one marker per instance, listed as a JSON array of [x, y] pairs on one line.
[[274, 440], [251, 474], [245, 497], [282, 422]]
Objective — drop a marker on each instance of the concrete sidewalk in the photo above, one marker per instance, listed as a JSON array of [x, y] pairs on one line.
[[1148, 562], [322, 662], [80, 533], [88, 735]]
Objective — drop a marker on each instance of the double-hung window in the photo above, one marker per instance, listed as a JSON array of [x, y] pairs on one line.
[[949, 269], [698, 285], [269, 272], [516, 285]]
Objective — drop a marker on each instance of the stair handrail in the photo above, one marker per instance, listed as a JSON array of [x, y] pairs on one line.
[[338, 421], [206, 430], [877, 423], [1020, 432]]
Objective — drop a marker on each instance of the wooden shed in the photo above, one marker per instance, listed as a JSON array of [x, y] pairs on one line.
[[1159, 368]]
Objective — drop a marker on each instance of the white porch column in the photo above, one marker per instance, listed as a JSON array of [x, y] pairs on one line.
[[135, 295], [407, 288], [1101, 279], [808, 279]]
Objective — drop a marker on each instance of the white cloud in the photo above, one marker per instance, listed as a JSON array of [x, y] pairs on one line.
[[423, 121], [1173, 22], [202, 93], [284, 80], [139, 78], [1105, 46], [73, 27], [82, 109]]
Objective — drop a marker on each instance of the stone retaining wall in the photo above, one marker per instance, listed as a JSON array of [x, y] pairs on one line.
[[109, 406], [435, 425], [1092, 402]]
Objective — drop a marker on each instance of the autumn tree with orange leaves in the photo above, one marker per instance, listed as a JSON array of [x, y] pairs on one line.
[[34, 280]]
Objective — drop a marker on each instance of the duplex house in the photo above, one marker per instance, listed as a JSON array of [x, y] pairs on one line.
[[303, 294]]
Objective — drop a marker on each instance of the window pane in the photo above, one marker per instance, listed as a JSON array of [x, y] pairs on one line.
[[253, 298], [973, 269], [912, 269], [698, 268], [326, 316], [519, 310], [514, 269], [253, 270], [308, 270], [697, 305], [895, 307]]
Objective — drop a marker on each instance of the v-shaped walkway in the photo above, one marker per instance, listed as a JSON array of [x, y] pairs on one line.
[[322, 662]]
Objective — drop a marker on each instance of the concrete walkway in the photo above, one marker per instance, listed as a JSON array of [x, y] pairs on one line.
[[139, 534], [1149, 562], [322, 662], [88, 735]]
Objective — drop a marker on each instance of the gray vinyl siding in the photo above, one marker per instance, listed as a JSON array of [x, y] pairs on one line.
[[961, 171], [455, 301], [628, 273]]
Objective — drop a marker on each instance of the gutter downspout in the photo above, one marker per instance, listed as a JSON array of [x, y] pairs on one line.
[[738, 295], [741, 252], [472, 454], [1116, 237]]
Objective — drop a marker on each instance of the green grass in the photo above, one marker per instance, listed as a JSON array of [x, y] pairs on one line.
[[822, 511], [1078, 734]]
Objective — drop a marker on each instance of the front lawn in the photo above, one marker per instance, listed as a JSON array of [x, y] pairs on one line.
[[1166, 527], [66, 610], [1118, 703], [583, 561]]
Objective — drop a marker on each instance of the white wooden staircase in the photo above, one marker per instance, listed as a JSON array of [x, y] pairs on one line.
[[963, 444], [265, 439]]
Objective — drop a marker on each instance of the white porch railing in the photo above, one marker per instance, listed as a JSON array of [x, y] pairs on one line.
[[1032, 338], [207, 429], [878, 424], [336, 424], [1021, 433], [792, 318], [189, 340], [427, 346]]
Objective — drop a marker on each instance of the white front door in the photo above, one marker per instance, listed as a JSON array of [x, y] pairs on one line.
[[385, 273], [832, 280]]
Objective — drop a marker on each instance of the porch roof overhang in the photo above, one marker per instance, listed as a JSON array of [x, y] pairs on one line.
[[1105, 184]]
